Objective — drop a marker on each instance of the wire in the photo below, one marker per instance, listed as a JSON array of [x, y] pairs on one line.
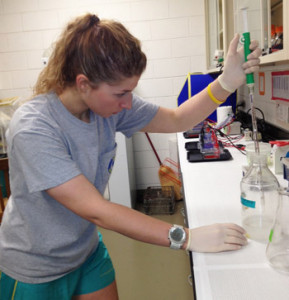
[[256, 108], [231, 143]]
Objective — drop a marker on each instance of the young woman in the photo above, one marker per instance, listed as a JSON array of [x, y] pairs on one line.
[[61, 152]]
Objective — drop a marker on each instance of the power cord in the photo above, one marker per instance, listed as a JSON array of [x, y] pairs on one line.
[[239, 147]]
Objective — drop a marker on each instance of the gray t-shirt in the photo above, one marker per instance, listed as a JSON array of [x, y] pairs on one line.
[[41, 240]]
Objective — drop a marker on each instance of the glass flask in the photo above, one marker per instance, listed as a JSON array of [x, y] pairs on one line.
[[259, 198], [277, 250]]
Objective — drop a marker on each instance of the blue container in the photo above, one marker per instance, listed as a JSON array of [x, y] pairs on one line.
[[196, 82]]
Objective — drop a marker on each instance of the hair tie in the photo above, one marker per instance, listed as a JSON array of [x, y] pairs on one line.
[[94, 20]]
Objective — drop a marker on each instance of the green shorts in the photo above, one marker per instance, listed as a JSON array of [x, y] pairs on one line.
[[94, 274]]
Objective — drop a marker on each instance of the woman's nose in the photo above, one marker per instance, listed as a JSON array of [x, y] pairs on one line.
[[126, 102]]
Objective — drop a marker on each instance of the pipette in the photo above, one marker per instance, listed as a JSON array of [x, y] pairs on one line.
[[250, 78], [250, 84]]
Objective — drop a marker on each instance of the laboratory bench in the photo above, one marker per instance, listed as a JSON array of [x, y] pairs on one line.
[[212, 195]]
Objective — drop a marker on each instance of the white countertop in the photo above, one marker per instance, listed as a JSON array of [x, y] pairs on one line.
[[212, 195]]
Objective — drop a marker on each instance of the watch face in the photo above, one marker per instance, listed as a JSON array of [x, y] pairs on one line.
[[177, 234]]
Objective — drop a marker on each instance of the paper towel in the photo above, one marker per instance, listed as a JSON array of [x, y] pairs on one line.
[[223, 112]]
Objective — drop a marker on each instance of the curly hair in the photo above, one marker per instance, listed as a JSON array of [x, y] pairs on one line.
[[102, 50]]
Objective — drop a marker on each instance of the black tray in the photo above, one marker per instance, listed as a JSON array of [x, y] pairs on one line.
[[196, 156]]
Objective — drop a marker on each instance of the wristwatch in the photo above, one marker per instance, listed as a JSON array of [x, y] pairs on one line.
[[177, 236]]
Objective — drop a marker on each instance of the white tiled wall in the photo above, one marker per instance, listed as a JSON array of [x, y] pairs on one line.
[[171, 31]]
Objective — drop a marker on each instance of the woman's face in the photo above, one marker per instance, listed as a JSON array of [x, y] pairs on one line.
[[106, 99]]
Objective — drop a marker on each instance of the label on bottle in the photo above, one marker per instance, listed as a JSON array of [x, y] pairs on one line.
[[248, 203]]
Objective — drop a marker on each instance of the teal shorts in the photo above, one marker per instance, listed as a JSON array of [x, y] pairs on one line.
[[94, 274]]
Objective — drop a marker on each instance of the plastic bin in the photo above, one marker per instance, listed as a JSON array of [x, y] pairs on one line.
[[159, 200]]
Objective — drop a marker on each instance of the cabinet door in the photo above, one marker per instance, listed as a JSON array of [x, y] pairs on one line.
[[278, 48], [219, 30], [214, 22], [253, 20], [266, 23]]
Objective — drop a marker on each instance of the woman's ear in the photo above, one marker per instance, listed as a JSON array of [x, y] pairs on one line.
[[82, 83]]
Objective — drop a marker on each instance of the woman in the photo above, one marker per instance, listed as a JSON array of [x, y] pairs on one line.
[[61, 152]]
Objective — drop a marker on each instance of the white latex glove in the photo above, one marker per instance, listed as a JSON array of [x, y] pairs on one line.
[[216, 238], [235, 67]]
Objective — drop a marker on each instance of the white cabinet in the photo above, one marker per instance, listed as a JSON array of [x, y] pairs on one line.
[[121, 185], [267, 23], [219, 29]]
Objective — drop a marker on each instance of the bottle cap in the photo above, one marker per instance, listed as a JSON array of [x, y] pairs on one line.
[[279, 143]]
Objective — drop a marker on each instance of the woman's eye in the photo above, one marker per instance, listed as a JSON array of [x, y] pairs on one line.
[[120, 95]]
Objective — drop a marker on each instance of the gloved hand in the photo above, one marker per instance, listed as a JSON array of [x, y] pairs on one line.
[[216, 238], [235, 67]]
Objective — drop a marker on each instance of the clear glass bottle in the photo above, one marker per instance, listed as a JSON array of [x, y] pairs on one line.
[[259, 198], [277, 250]]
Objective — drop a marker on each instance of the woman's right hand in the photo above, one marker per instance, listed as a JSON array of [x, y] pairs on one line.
[[216, 238], [235, 67]]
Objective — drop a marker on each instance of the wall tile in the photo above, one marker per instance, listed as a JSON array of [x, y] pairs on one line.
[[149, 71], [169, 102], [189, 46], [145, 159], [13, 61], [178, 84], [147, 177], [34, 59], [4, 43], [197, 25], [66, 15], [5, 80], [97, 2], [40, 20], [140, 142], [10, 23], [115, 11], [158, 49], [22, 79], [140, 30], [14, 6], [23, 93], [183, 47], [160, 141], [21, 41], [49, 37], [172, 67], [198, 64], [154, 87], [170, 28], [56, 4], [182, 8], [149, 10]]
